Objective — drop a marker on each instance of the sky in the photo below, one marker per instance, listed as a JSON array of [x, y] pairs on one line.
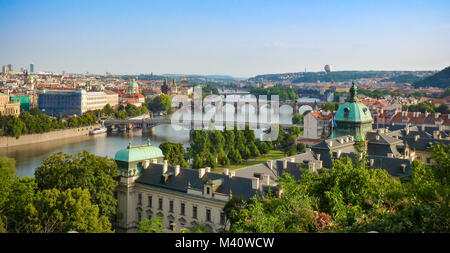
[[239, 38]]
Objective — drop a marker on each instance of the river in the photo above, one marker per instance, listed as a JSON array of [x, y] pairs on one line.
[[29, 157]]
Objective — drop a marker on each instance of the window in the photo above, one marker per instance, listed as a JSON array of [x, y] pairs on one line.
[[139, 199], [207, 190], [222, 218], [194, 212], [171, 206], [149, 201], [160, 204], [208, 215], [428, 160], [182, 208], [149, 216], [139, 216], [115, 195]]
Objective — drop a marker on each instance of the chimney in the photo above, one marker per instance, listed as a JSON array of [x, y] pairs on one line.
[[436, 134], [372, 161], [426, 114], [226, 172], [154, 161], [201, 172], [255, 183], [285, 164], [266, 179], [177, 170], [339, 153], [423, 128], [208, 169], [416, 137], [270, 164], [330, 143], [292, 160], [232, 174], [390, 155], [318, 156], [436, 115], [165, 167], [377, 137]]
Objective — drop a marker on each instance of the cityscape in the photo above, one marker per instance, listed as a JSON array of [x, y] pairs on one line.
[[327, 144]]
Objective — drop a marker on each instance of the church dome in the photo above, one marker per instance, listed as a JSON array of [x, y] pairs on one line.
[[353, 110], [138, 153], [133, 85]]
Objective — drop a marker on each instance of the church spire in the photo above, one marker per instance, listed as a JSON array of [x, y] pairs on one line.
[[353, 93]]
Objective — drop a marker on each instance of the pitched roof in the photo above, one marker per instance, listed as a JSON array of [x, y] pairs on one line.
[[239, 186]]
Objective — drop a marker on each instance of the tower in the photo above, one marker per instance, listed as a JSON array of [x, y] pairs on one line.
[[352, 118], [130, 163], [133, 88]]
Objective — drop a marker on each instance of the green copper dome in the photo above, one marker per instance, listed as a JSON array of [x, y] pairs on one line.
[[133, 85], [138, 153], [353, 110]]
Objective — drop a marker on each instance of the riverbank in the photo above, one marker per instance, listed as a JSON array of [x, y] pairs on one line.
[[8, 141]]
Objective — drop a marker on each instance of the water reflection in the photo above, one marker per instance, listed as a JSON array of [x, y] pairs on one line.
[[29, 157]]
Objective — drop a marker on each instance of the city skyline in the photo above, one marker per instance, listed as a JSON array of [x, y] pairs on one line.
[[224, 38]]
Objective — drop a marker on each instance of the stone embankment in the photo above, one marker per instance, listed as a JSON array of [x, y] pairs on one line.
[[7, 141]]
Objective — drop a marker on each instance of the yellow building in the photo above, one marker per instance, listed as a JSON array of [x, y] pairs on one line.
[[7, 107]]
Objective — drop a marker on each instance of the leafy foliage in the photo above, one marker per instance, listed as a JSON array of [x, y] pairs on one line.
[[353, 198], [82, 170], [174, 153]]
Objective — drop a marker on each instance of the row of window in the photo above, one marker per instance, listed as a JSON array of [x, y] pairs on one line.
[[182, 209]]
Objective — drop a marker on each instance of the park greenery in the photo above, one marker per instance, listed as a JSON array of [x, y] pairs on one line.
[[122, 111], [68, 193], [352, 198], [160, 103], [224, 148], [36, 121], [330, 107], [284, 93]]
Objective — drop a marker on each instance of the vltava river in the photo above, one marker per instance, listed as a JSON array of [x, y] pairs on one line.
[[29, 157]]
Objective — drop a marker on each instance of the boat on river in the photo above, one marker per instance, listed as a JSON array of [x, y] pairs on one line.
[[98, 131]]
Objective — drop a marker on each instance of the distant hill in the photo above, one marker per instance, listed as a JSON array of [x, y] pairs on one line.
[[343, 76], [441, 79], [408, 78]]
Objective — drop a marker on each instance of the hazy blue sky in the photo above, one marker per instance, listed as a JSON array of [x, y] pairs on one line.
[[240, 38]]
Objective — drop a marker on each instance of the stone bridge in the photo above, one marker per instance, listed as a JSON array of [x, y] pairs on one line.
[[149, 123]]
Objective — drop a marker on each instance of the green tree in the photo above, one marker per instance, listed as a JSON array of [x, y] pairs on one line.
[[160, 103], [82, 170], [297, 118], [198, 162], [223, 158], [288, 145], [294, 131], [291, 213], [300, 147], [7, 171], [56, 211], [151, 226], [174, 153]]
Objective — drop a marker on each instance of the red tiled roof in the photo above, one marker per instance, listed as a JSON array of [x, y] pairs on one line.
[[321, 116]]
